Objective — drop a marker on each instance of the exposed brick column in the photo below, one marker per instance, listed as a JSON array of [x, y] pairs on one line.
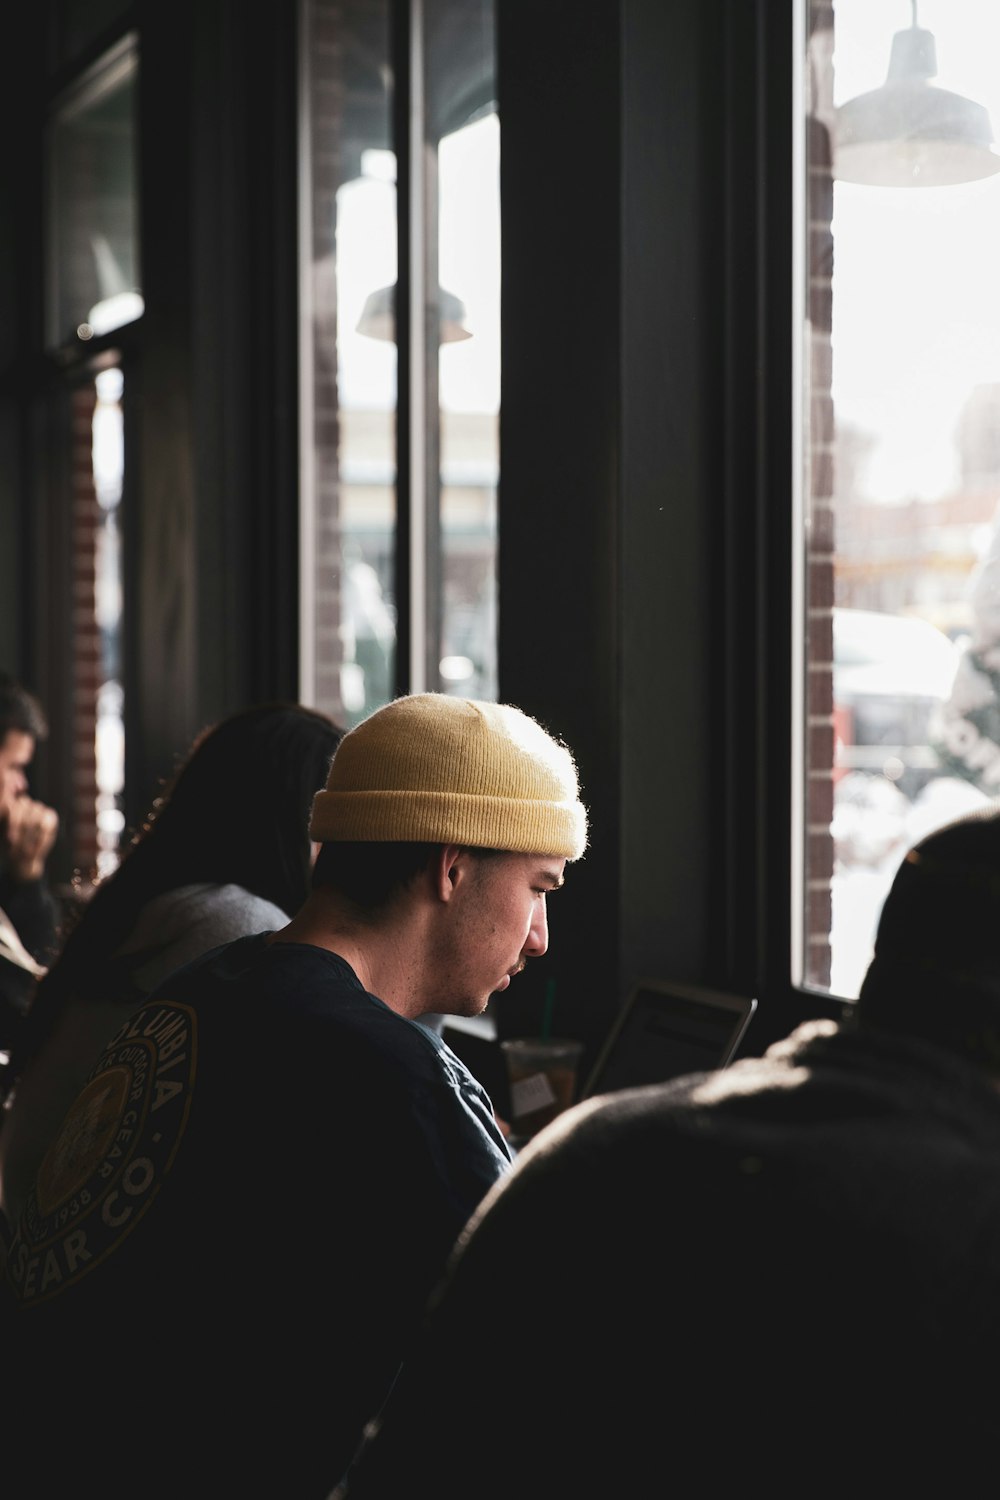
[[819, 540], [85, 519], [326, 52]]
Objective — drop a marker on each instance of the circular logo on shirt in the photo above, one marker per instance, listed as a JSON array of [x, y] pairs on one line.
[[113, 1149]]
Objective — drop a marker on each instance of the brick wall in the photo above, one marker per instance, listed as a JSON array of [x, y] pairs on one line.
[[85, 520], [326, 38], [819, 540]]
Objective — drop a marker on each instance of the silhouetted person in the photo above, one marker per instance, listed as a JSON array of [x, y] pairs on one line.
[[783, 1276]]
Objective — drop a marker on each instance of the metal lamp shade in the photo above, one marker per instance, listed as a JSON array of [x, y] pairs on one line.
[[910, 132], [378, 316]]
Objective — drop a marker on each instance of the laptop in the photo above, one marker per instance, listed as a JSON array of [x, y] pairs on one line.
[[665, 1030]]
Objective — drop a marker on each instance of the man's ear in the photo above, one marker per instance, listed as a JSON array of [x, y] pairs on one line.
[[448, 869]]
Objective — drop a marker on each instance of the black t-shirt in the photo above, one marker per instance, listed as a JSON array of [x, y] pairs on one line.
[[245, 1211]]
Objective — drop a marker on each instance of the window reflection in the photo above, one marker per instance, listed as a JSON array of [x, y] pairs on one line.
[[901, 472]]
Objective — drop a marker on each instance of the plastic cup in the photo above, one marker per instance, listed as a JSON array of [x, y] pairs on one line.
[[541, 1073]]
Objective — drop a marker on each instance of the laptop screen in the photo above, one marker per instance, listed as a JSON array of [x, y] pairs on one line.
[[665, 1030]]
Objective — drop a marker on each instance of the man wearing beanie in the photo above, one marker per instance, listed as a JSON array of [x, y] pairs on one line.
[[784, 1276], [250, 1201]]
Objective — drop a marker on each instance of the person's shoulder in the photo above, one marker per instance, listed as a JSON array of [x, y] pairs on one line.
[[827, 1105], [312, 980], [197, 913], [320, 986], [296, 989], [253, 913], [220, 963]]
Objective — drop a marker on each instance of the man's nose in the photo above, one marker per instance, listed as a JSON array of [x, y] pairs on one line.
[[538, 933]]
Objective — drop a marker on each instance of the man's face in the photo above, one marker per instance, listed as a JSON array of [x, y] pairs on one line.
[[16, 752], [499, 922]]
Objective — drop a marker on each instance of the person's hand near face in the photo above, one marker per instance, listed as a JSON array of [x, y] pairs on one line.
[[29, 827]]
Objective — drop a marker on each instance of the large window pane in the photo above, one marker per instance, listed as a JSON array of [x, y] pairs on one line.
[[356, 505], [460, 90], [349, 364], [95, 276], [899, 604]]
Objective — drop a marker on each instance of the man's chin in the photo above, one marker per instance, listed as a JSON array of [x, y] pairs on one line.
[[473, 1005], [505, 981]]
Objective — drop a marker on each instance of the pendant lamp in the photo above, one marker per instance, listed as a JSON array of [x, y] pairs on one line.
[[378, 316], [910, 132]]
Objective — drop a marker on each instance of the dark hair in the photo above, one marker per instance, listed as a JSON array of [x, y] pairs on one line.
[[371, 874], [935, 975], [20, 710], [236, 811]]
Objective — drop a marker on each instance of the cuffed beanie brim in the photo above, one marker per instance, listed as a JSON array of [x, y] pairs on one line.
[[432, 768]]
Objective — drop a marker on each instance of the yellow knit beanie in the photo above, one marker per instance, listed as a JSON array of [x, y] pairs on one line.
[[432, 768]]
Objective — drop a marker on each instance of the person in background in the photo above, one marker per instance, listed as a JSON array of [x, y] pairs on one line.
[[29, 913], [199, 873], [783, 1274], [224, 1252]]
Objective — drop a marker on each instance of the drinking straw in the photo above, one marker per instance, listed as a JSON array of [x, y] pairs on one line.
[[547, 1009]]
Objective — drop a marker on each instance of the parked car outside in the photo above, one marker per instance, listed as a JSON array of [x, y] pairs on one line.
[[892, 675]]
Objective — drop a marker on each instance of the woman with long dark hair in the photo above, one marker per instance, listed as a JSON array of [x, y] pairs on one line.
[[224, 852]]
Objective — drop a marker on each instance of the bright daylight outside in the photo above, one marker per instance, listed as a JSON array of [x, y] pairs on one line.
[[900, 607]]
